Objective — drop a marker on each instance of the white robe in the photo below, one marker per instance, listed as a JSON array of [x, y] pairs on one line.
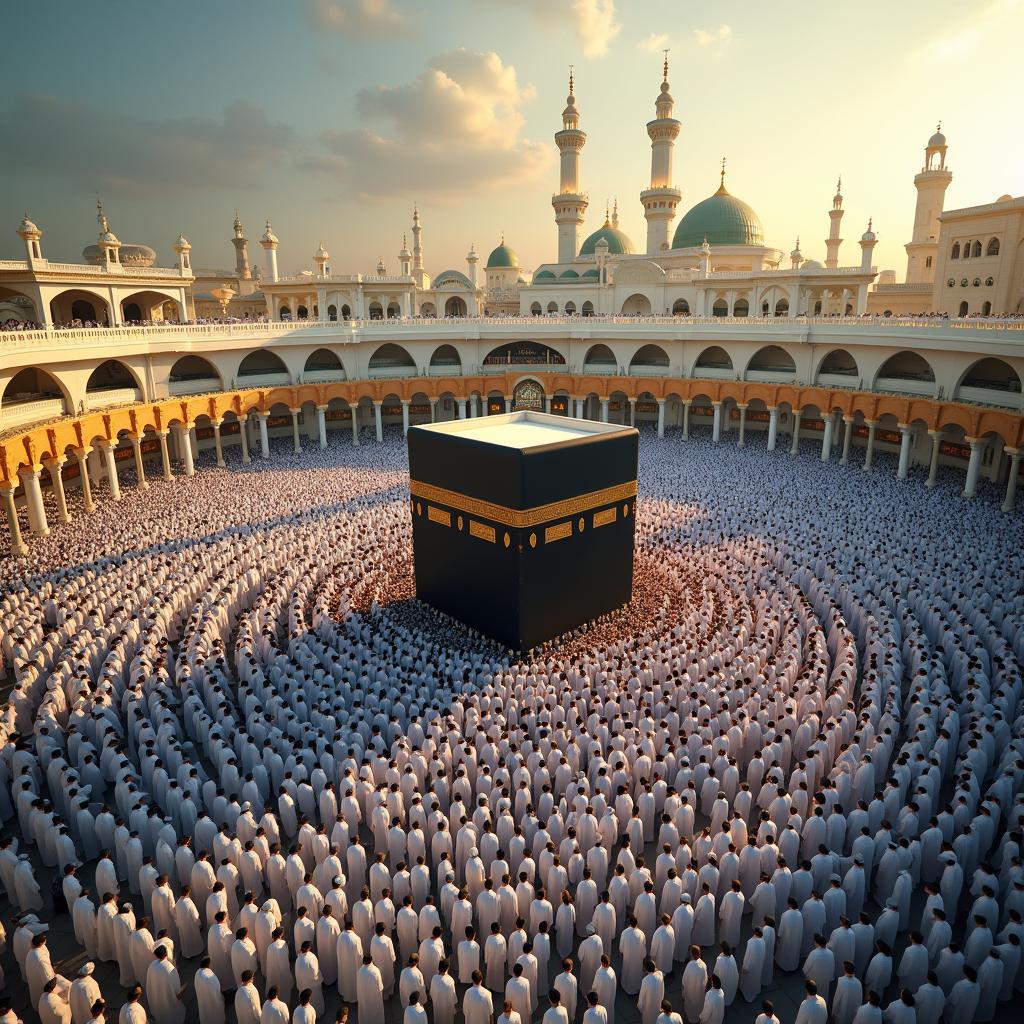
[[752, 969], [162, 987], [209, 998], [477, 1005], [370, 995]]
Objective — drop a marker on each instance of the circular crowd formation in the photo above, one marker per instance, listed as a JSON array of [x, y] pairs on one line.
[[239, 759]]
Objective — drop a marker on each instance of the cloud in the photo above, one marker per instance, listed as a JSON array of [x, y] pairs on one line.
[[456, 129], [983, 26], [148, 157], [655, 41], [593, 21], [357, 17], [722, 34]]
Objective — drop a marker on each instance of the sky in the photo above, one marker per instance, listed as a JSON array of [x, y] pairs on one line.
[[334, 117]]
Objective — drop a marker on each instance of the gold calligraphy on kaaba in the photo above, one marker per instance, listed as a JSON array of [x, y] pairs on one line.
[[439, 515], [523, 518], [482, 531], [605, 516], [558, 532]]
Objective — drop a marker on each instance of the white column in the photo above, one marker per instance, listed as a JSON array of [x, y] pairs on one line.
[[140, 470], [378, 422], [321, 423], [1010, 502], [847, 434], [54, 466], [193, 440], [264, 440], [165, 457], [34, 502], [743, 424], [243, 432], [904, 465], [217, 443], [186, 451], [604, 410], [632, 412], [547, 404], [405, 416], [716, 427], [869, 455], [773, 426], [296, 443], [355, 425], [796, 432], [474, 405], [83, 475], [686, 418], [933, 465], [508, 403], [974, 466], [108, 456], [661, 417], [433, 410], [578, 407], [461, 403], [18, 545], [826, 440]]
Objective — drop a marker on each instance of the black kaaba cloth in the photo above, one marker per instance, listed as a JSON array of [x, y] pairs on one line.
[[522, 524]]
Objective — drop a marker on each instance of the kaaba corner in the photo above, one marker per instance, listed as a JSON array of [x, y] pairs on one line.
[[522, 523]]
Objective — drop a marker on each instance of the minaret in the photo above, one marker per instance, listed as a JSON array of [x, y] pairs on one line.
[[661, 199], [796, 257], [570, 204], [30, 235], [835, 215], [269, 245], [108, 242], [472, 259], [320, 258], [931, 185], [867, 248], [183, 248], [404, 257], [418, 271], [241, 244], [615, 213]]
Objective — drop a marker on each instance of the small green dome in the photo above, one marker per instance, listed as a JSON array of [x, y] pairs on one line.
[[568, 273], [722, 219], [619, 243], [503, 256], [544, 275], [592, 272]]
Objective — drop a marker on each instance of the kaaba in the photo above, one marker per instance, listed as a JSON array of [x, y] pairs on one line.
[[522, 524]]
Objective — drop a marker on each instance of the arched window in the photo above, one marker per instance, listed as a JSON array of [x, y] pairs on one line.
[[993, 247], [394, 311], [552, 307], [963, 309], [720, 308], [570, 309], [782, 307], [680, 308], [955, 255], [588, 308], [986, 309], [967, 250], [346, 312], [976, 248], [535, 309], [742, 308], [302, 313], [332, 312]]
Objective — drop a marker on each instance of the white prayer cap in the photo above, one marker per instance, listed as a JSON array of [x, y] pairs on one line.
[[474, 852], [591, 929], [86, 969], [246, 806], [685, 898], [858, 859], [336, 881]]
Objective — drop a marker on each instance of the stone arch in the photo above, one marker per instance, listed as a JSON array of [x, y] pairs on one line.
[[428, 309], [649, 359], [772, 362], [445, 359], [455, 306], [714, 361], [193, 375], [637, 304], [524, 353], [905, 371], [587, 309], [391, 360], [150, 303], [680, 308], [600, 357], [18, 307], [528, 394], [76, 304], [323, 365], [552, 307], [987, 376], [837, 363], [262, 366], [33, 395], [112, 383], [535, 309]]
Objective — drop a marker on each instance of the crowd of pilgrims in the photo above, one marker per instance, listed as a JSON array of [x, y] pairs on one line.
[[250, 774]]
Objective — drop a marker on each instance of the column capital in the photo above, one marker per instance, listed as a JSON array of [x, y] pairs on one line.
[[405, 401], [871, 423], [82, 453], [1014, 453], [322, 408], [106, 444], [686, 401], [903, 427], [974, 441], [53, 460], [32, 471], [661, 401], [295, 412], [849, 419], [260, 414], [632, 399], [216, 424], [7, 489], [772, 408], [935, 435], [377, 403], [717, 402], [742, 405]]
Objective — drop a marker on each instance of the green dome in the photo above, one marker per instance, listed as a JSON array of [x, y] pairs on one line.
[[568, 273], [503, 256], [544, 275], [618, 241], [592, 272], [722, 219]]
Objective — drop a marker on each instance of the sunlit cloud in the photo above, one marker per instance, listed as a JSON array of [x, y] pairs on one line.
[[655, 41], [357, 17], [715, 37], [594, 22]]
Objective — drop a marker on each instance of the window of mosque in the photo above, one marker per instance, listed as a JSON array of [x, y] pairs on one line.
[[993, 247], [967, 250], [928, 261], [955, 255], [976, 248]]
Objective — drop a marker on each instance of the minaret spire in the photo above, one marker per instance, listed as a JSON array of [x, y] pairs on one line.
[[661, 198], [835, 216], [570, 204]]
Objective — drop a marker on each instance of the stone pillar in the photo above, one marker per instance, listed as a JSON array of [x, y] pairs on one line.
[[296, 443], [632, 412], [405, 416], [869, 455], [140, 470], [165, 457], [54, 466], [826, 440], [264, 440], [973, 467], [355, 425], [461, 403], [508, 403], [243, 431], [217, 442], [904, 466], [847, 434], [794, 447], [547, 404], [185, 450], [379, 423], [1010, 502], [83, 475], [193, 441], [321, 423], [578, 405], [743, 424], [604, 410], [18, 545], [661, 417], [716, 427], [933, 465], [433, 410], [686, 418], [773, 426], [474, 405], [34, 502], [108, 456]]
